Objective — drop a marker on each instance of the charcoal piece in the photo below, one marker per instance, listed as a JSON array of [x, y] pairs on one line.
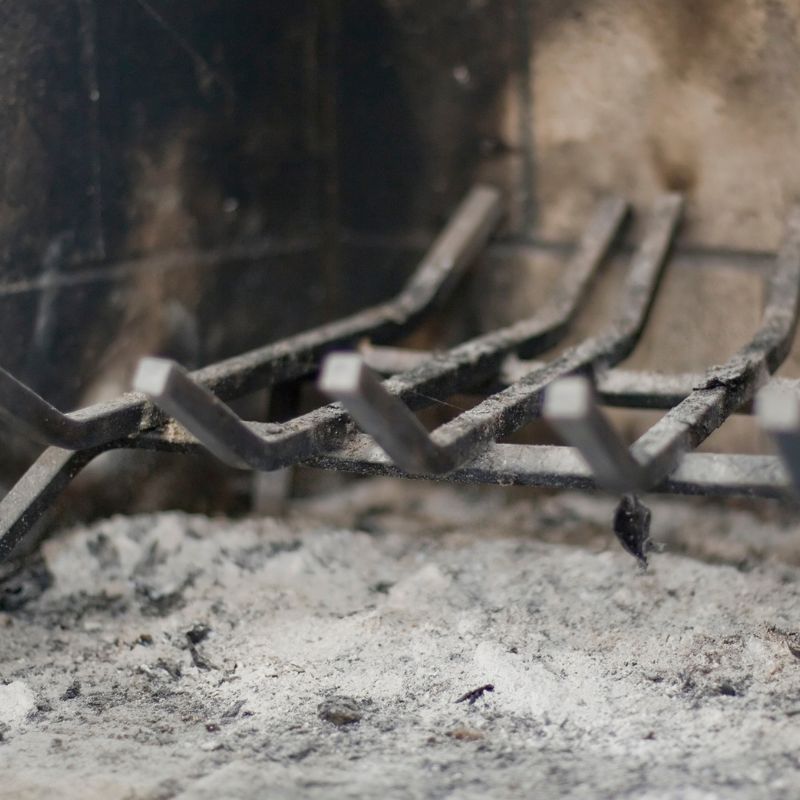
[[632, 527], [475, 694]]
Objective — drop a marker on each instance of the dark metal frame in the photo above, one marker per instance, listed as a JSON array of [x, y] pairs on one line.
[[186, 412]]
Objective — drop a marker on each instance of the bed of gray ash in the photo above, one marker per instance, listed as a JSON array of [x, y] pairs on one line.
[[322, 655]]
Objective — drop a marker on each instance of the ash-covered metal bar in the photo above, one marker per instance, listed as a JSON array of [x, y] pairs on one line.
[[541, 466], [172, 389], [620, 388], [451, 253], [36, 491], [281, 445], [729, 386], [465, 450], [572, 407], [555, 467], [454, 250], [347, 379], [462, 439], [273, 447], [503, 413]]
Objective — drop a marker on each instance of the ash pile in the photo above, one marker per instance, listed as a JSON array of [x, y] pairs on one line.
[[324, 654]]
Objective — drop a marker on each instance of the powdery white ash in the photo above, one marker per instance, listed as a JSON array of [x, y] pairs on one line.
[[213, 658]]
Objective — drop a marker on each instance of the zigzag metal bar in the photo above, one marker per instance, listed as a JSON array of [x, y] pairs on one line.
[[454, 249], [272, 447], [462, 439]]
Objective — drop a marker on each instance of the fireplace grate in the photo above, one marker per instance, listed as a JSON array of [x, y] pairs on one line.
[[372, 428]]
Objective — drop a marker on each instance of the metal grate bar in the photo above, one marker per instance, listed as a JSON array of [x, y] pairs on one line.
[[274, 446], [500, 464], [454, 249], [620, 388], [734, 383], [34, 493], [571, 405], [503, 413], [555, 467], [462, 439], [465, 449]]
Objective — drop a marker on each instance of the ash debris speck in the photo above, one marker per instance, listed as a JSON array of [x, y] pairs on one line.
[[340, 711], [72, 691]]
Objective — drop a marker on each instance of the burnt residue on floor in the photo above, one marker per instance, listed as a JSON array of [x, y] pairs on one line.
[[21, 582], [291, 669]]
